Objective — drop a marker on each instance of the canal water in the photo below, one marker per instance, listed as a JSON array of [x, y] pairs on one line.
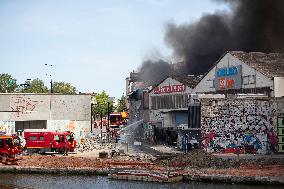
[[34, 181]]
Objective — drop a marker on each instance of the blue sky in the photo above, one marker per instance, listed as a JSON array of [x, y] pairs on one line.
[[91, 44]]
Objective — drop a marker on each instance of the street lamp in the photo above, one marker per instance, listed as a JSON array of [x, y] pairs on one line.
[[26, 84], [92, 105], [51, 88]]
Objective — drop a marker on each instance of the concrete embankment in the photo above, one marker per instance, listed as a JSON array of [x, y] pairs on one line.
[[68, 171], [235, 179], [269, 180]]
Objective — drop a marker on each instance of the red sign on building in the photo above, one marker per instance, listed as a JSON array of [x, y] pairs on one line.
[[169, 89]]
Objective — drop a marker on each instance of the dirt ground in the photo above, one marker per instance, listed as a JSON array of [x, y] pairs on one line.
[[194, 163]]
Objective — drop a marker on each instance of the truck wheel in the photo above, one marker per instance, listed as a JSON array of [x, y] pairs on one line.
[[35, 151], [62, 150]]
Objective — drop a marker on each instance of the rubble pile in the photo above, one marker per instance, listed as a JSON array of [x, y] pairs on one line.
[[137, 157], [202, 159], [199, 159], [89, 144]]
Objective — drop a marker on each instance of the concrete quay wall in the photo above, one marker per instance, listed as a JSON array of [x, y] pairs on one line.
[[186, 177]]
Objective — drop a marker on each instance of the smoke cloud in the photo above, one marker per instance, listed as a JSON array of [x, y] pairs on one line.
[[152, 72], [251, 25]]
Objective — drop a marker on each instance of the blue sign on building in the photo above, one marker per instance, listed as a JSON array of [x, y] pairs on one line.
[[227, 71], [228, 77]]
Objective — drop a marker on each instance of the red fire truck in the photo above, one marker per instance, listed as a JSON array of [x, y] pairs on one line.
[[8, 149], [115, 120], [43, 140]]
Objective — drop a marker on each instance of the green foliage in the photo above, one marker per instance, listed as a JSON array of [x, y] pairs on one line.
[[35, 86], [101, 104], [121, 104], [63, 88], [7, 83]]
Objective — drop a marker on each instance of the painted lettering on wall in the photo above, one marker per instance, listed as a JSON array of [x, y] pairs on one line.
[[169, 89], [227, 71], [24, 105]]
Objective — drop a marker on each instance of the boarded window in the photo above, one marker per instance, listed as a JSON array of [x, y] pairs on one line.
[[176, 101]]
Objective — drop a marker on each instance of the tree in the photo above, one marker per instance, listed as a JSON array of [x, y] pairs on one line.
[[7, 83], [35, 86], [121, 104], [101, 104], [63, 88]]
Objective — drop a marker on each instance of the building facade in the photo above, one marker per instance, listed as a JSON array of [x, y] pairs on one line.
[[245, 73], [168, 102], [45, 111]]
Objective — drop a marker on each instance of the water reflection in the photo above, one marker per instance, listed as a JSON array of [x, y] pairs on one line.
[[34, 181]]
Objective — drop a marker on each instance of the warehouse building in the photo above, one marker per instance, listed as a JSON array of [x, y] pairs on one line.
[[238, 72], [45, 111], [168, 106]]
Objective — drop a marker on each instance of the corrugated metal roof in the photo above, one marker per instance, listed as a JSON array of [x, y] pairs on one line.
[[269, 64], [188, 80]]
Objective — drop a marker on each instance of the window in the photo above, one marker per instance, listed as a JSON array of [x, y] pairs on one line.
[[61, 138], [33, 138], [56, 138], [9, 142], [249, 79], [245, 80], [41, 138], [1, 143], [211, 83], [69, 138]]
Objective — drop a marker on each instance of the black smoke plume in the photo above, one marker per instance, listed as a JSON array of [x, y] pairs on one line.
[[152, 72], [251, 25]]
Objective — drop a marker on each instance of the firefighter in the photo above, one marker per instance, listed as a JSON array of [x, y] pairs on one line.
[[65, 150]]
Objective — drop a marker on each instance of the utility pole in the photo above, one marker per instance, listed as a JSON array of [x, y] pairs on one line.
[[92, 104], [101, 126], [108, 121]]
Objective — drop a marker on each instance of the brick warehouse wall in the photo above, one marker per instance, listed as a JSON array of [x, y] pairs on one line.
[[227, 124]]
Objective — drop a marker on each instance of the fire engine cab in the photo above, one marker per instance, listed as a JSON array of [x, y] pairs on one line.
[[8, 149], [115, 120], [43, 140]]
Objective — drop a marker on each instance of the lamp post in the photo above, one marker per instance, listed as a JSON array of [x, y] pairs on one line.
[[92, 105], [108, 103], [101, 115], [51, 88], [26, 84]]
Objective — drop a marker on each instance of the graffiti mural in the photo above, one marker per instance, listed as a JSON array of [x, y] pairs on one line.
[[7, 127], [239, 125], [80, 128], [23, 105]]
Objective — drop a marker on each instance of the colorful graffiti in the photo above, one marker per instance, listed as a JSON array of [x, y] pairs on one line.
[[239, 125], [24, 105], [7, 127], [80, 128]]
